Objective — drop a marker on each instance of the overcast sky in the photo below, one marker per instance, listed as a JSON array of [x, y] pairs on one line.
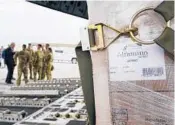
[[24, 22]]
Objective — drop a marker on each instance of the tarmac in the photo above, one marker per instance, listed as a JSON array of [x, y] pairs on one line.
[[61, 70]]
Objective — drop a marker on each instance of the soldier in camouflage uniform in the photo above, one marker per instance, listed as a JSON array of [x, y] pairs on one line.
[[46, 52], [23, 57], [48, 62], [31, 53], [38, 62]]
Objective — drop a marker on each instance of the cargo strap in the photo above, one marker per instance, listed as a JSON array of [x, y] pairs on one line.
[[85, 68], [166, 40]]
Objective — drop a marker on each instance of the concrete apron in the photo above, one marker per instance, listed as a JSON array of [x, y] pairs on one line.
[[110, 111]]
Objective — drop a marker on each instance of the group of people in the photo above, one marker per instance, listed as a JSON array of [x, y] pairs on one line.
[[39, 62]]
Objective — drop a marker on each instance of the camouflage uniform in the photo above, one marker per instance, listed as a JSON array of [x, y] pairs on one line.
[[31, 53], [38, 64], [23, 57], [44, 64], [48, 63]]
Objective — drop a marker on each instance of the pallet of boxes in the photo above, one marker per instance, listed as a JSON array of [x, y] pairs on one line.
[[129, 83]]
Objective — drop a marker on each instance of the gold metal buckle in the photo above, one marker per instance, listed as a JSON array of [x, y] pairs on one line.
[[99, 44], [96, 44]]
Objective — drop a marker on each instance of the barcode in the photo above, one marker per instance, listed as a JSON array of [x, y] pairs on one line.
[[149, 72]]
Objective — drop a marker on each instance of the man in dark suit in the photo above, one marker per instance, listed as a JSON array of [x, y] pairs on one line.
[[9, 61]]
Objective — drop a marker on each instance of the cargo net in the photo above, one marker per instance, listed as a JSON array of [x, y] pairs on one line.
[[148, 102]]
